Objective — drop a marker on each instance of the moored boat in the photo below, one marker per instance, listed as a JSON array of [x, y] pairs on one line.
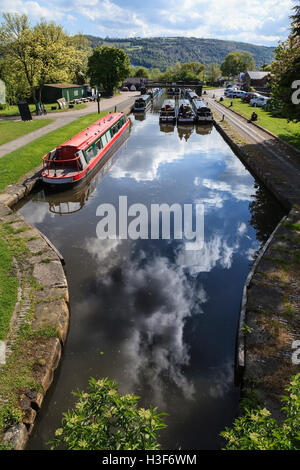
[[142, 103], [185, 112], [72, 162], [202, 111], [168, 111]]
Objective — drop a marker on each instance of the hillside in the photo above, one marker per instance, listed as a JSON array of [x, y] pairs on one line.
[[163, 52]]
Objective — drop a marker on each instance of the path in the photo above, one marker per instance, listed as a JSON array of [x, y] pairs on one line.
[[61, 119]]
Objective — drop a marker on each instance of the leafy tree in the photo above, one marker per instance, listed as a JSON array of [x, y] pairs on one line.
[[213, 72], [79, 63], [236, 62], [257, 430], [108, 66], [142, 72], [102, 419], [38, 55], [286, 73], [295, 26]]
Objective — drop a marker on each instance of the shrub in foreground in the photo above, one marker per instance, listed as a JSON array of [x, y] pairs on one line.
[[257, 430], [104, 419]]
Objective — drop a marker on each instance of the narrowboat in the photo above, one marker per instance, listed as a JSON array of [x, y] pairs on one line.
[[72, 161], [191, 95], [185, 113], [168, 111], [170, 91], [142, 103], [177, 91], [155, 93], [202, 111]]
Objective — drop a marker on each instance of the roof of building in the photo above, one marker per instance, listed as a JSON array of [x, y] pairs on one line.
[[257, 75], [63, 85], [88, 135]]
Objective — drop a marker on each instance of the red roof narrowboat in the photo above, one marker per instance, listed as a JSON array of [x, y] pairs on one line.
[[72, 161]]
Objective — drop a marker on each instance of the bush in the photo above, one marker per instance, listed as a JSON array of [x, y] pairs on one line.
[[257, 430], [104, 419]]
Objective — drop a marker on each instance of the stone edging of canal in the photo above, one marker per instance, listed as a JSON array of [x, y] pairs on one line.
[[269, 316], [43, 301]]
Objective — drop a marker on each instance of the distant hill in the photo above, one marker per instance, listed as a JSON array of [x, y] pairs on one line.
[[163, 52]]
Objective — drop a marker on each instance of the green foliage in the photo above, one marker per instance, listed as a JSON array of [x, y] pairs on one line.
[[164, 52], [257, 430], [104, 419], [9, 416], [141, 72], [236, 62], [33, 56], [108, 66]]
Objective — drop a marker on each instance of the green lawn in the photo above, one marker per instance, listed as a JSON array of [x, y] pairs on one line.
[[14, 110], [288, 131], [10, 130], [8, 286], [16, 164]]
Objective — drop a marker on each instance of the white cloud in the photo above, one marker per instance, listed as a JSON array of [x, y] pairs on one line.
[[257, 21]]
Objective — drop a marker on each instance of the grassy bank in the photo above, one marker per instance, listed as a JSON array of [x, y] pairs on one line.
[[14, 110], [16, 164], [10, 130], [288, 131], [8, 283]]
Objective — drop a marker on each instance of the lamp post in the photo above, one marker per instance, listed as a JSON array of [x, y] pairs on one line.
[[98, 101]]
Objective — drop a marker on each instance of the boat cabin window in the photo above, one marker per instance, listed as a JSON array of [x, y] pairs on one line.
[[89, 154], [99, 145], [108, 136]]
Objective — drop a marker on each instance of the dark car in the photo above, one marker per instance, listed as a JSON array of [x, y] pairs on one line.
[[249, 96]]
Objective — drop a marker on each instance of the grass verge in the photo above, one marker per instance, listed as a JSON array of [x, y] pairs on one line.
[[8, 284], [10, 130], [14, 110], [19, 162], [288, 131]]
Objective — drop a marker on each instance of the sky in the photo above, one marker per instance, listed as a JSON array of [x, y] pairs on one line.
[[263, 22]]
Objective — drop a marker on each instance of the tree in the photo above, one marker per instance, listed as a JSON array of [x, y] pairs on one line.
[[237, 62], [142, 72], [40, 54], [286, 72], [213, 72], [78, 69], [295, 26], [108, 66]]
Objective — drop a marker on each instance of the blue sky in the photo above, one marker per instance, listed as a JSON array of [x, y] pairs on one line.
[[257, 21]]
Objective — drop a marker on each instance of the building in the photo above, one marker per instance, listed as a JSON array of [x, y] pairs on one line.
[[257, 80], [54, 91], [136, 81]]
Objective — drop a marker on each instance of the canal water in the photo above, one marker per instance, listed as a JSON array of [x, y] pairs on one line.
[[157, 318]]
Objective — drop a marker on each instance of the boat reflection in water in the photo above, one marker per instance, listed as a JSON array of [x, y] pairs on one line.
[[185, 131], [203, 129], [167, 127], [73, 200], [141, 116]]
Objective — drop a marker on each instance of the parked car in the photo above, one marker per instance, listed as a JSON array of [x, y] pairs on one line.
[[132, 88], [229, 91], [249, 96], [234, 94], [259, 101], [125, 88]]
